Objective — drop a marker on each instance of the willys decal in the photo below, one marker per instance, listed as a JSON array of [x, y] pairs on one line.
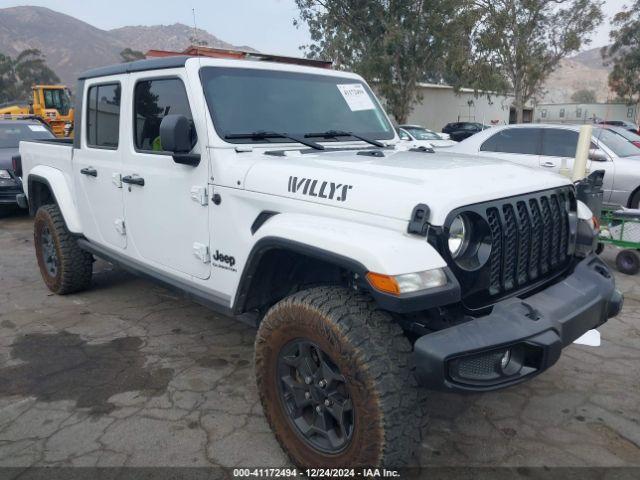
[[318, 188]]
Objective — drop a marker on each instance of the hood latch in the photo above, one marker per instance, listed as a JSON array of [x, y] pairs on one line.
[[419, 223]]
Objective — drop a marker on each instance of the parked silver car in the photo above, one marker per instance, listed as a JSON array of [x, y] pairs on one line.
[[418, 136], [545, 146]]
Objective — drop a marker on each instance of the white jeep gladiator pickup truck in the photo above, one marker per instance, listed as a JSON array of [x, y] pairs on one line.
[[278, 194]]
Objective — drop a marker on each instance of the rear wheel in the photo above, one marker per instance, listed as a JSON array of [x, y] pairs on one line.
[[627, 261], [64, 266], [336, 383]]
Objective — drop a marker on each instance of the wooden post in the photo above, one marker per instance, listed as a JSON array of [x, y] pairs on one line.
[[582, 153]]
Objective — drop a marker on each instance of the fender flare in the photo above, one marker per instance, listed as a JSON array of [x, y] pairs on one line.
[[353, 246], [378, 249], [58, 185]]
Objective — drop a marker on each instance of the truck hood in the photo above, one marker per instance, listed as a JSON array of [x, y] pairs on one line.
[[394, 184]]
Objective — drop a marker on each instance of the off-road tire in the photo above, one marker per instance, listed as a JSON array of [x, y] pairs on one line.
[[73, 265], [374, 357]]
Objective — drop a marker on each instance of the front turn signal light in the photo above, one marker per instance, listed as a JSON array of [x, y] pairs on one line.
[[408, 282], [383, 283]]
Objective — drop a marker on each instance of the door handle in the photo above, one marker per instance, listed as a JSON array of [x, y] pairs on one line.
[[133, 180], [92, 172], [549, 164]]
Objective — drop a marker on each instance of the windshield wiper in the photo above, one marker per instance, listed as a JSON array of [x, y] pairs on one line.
[[342, 133], [264, 135]]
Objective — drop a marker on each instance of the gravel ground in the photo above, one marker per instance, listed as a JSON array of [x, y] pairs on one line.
[[130, 374]]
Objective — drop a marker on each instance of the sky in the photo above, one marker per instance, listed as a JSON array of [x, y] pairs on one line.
[[266, 25]]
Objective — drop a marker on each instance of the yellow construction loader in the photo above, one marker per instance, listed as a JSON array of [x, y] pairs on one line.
[[50, 103]]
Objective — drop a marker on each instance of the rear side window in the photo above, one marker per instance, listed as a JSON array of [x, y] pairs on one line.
[[154, 100], [559, 142], [103, 115], [514, 140]]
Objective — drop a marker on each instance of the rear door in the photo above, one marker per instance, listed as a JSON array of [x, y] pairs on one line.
[[167, 216], [97, 163], [517, 145]]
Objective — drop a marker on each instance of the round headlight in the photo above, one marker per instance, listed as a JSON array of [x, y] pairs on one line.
[[459, 234]]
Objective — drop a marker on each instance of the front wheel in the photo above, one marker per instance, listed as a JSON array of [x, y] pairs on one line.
[[336, 383], [64, 266]]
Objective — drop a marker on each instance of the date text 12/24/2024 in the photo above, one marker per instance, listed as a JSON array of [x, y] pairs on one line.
[[315, 473]]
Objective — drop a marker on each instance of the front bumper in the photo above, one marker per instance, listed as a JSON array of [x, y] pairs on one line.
[[9, 189], [470, 356]]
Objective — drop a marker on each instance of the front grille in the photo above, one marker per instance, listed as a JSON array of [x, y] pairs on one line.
[[530, 242], [529, 239]]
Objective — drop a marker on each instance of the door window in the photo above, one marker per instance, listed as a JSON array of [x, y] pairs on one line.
[[403, 135], [154, 100], [514, 140], [58, 99], [557, 142], [103, 115]]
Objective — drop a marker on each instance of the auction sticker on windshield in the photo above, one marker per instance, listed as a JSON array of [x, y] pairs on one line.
[[356, 97]]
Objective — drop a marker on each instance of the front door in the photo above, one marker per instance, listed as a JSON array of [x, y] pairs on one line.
[[166, 206], [517, 145], [98, 163], [559, 147]]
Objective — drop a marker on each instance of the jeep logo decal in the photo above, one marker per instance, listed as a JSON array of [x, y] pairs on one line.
[[318, 188], [228, 259]]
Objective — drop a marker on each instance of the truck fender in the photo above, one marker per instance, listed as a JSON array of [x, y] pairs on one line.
[[377, 249], [59, 187], [355, 247]]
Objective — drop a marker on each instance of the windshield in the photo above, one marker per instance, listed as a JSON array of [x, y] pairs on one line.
[[244, 101], [623, 132], [58, 99], [422, 133], [10, 135], [619, 145]]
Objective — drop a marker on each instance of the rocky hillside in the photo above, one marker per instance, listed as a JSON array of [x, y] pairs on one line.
[[167, 37], [72, 46], [582, 71]]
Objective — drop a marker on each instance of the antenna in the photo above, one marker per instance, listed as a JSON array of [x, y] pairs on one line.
[[195, 32]]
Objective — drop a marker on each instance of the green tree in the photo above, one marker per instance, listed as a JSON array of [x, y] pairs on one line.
[[624, 53], [18, 75], [128, 55], [523, 41], [393, 43], [584, 96]]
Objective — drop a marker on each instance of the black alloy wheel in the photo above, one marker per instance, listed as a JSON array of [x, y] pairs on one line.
[[315, 396]]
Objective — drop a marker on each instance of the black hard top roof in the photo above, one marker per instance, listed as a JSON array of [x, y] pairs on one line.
[[137, 66]]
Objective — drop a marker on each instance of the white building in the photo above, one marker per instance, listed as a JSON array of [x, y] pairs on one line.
[[441, 105], [585, 112]]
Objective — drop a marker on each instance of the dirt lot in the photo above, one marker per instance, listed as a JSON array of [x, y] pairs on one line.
[[130, 374]]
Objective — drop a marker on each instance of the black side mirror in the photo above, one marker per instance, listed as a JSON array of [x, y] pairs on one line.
[[177, 136], [16, 164]]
